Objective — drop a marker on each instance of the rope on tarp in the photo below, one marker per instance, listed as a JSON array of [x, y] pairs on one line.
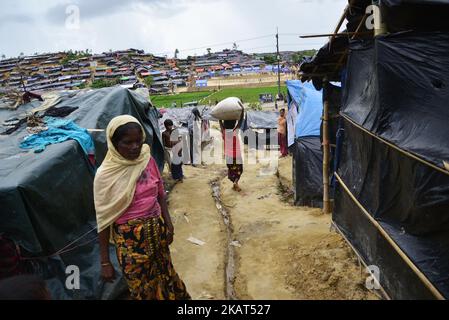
[[436, 293], [68, 247]]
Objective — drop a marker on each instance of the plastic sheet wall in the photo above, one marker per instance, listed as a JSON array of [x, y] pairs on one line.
[[308, 172], [397, 90]]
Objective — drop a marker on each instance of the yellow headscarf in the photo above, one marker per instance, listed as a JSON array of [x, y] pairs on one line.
[[115, 181]]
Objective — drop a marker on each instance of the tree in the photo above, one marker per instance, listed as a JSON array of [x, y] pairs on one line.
[[299, 56], [22, 54], [269, 59], [102, 83], [149, 81], [3, 56], [176, 53], [209, 51], [235, 46]]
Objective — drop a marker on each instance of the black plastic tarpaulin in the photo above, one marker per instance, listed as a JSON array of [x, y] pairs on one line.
[[393, 189], [416, 15], [398, 88], [308, 172], [410, 201], [46, 199]]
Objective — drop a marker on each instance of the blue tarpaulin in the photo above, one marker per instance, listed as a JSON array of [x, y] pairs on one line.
[[201, 83], [309, 102], [59, 130]]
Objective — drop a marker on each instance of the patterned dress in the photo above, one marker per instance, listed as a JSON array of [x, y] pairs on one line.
[[144, 255], [140, 235]]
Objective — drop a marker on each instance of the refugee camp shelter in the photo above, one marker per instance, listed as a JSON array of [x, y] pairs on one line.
[[392, 177], [305, 107], [46, 199], [260, 129]]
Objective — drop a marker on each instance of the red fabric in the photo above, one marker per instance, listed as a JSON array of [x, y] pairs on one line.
[[283, 144], [231, 151], [9, 259], [92, 159]]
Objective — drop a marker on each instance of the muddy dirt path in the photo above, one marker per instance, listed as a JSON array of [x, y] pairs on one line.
[[277, 251], [195, 216]]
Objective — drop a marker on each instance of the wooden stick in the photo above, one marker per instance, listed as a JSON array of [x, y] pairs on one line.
[[387, 237], [334, 225], [340, 22], [326, 200], [341, 34], [362, 21]]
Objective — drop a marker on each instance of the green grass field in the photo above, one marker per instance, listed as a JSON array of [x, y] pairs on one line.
[[248, 95], [167, 100]]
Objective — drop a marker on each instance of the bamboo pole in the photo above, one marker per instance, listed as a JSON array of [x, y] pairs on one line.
[[357, 31], [384, 294], [341, 34], [340, 23], [326, 199], [409, 154], [379, 25], [387, 237]]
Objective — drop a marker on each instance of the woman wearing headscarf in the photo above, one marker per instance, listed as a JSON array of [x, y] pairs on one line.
[[131, 208]]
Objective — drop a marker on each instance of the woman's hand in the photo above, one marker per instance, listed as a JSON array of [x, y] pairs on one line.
[[107, 272], [170, 233]]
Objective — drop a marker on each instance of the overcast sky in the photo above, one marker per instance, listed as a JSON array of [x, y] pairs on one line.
[[161, 26]]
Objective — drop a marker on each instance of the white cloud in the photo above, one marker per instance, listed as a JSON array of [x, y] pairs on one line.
[[161, 26]]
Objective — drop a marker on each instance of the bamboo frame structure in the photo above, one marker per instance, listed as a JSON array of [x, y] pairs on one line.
[[387, 237]]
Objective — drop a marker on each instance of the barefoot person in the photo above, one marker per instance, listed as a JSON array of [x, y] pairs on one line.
[[282, 133], [233, 156], [130, 205], [175, 162]]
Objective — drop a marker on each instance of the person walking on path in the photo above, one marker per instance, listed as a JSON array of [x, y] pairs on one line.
[[175, 160], [233, 155]]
